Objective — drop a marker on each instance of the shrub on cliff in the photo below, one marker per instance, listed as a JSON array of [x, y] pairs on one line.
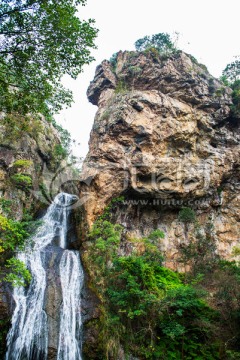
[[232, 70], [19, 275], [231, 77], [186, 215], [22, 164], [22, 181], [161, 42], [12, 236], [147, 308]]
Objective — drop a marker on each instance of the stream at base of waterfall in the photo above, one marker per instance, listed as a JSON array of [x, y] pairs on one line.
[[28, 338]]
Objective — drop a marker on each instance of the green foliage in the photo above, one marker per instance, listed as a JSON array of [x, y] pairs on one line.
[[19, 274], [106, 238], [40, 42], [105, 115], [111, 207], [222, 277], [134, 70], [156, 234], [158, 312], [236, 97], [225, 280], [148, 309], [232, 71], [185, 326], [200, 254], [16, 125], [137, 284], [22, 163], [113, 61], [161, 42], [153, 312], [6, 206], [59, 151], [121, 87], [22, 181], [12, 234], [233, 355], [224, 80], [231, 77], [236, 251], [65, 137], [187, 215]]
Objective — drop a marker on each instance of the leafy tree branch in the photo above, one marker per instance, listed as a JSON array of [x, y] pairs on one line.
[[40, 41]]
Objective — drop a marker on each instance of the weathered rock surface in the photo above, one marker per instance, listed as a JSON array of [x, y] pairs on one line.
[[53, 297], [164, 136], [34, 142]]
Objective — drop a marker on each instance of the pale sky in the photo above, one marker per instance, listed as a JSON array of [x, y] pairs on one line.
[[209, 30]]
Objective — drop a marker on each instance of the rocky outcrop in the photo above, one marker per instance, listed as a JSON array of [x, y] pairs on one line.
[[163, 136], [28, 167], [28, 151]]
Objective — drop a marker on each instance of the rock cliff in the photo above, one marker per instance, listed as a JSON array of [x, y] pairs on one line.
[[27, 155], [163, 136], [28, 165]]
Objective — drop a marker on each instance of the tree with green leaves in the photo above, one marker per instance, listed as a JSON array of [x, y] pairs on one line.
[[161, 42], [40, 41], [232, 70], [231, 77]]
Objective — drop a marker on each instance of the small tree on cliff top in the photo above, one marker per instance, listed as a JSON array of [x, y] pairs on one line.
[[232, 70], [161, 42], [231, 77]]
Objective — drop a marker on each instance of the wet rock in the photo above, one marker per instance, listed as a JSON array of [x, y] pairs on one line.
[[27, 145], [53, 296]]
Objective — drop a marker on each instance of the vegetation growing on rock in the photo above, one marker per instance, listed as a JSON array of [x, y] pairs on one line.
[[187, 215], [13, 235], [161, 42], [22, 181], [19, 275], [22, 163], [151, 311], [147, 309], [231, 77], [40, 42]]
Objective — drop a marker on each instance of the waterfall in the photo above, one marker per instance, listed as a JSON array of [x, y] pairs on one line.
[[28, 336], [71, 279]]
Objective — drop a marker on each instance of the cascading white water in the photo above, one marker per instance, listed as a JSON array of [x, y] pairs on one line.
[[71, 279], [28, 336]]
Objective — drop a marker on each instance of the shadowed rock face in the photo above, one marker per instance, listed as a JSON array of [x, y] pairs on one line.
[[163, 133], [53, 297]]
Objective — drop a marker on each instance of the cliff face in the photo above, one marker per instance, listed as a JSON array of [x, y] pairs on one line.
[[164, 137], [27, 155]]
